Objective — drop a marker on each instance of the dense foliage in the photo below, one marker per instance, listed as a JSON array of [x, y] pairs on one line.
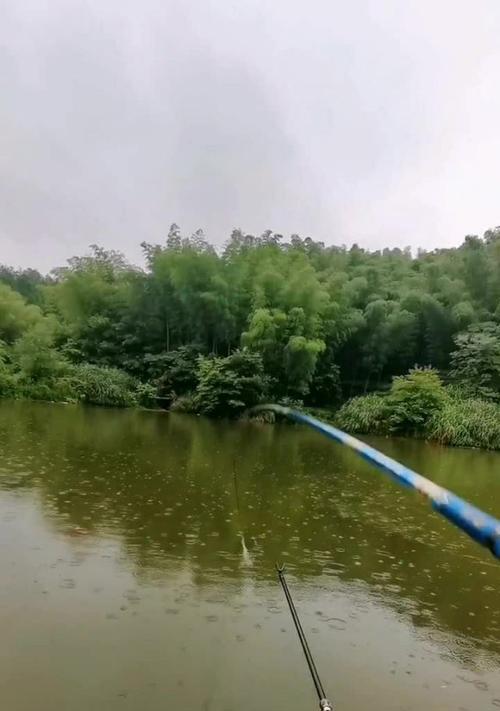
[[413, 399], [264, 318], [229, 385], [419, 404]]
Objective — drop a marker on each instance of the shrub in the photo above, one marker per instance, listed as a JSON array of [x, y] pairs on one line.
[[466, 423], [174, 372], [411, 402], [229, 385], [100, 385], [413, 399], [366, 414], [145, 394], [458, 392], [185, 403], [291, 402], [7, 381], [419, 404], [51, 389], [16, 316], [36, 370], [34, 355]]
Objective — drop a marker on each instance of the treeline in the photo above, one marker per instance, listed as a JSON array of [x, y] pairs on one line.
[[264, 318]]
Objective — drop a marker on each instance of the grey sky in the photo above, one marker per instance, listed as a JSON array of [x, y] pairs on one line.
[[376, 122]]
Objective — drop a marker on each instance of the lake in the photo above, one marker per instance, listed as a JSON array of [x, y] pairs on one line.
[[137, 554]]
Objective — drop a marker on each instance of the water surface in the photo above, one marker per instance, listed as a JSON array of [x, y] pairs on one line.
[[137, 556]]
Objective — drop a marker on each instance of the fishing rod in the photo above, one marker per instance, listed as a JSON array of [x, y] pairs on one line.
[[324, 704], [480, 526]]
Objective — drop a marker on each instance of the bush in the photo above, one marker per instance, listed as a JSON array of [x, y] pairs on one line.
[[418, 404], [36, 370], [411, 402], [365, 415], [466, 423], [7, 381], [100, 385], [413, 399], [145, 394], [185, 403], [291, 402], [16, 316], [51, 389], [174, 372], [227, 386], [35, 356]]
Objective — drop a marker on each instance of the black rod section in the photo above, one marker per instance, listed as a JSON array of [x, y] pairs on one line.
[[323, 701]]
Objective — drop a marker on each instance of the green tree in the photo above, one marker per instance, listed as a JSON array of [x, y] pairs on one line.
[[26, 282], [227, 386], [35, 355], [327, 322], [16, 316], [476, 360], [175, 373]]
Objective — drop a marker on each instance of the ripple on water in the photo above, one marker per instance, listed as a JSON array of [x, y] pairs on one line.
[[128, 508]]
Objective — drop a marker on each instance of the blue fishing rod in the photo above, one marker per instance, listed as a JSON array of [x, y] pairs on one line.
[[480, 526]]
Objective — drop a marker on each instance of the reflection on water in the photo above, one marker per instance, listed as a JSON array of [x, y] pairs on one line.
[[138, 549]]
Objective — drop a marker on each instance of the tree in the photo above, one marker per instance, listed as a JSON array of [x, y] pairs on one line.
[[35, 355], [301, 355], [476, 360], [325, 322], [16, 316], [92, 298], [176, 372], [476, 268], [26, 282], [227, 386]]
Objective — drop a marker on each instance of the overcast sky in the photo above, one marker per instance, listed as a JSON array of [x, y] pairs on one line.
[[369, 121]]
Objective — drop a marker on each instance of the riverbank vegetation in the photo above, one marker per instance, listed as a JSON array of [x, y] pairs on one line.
[[419, 405], [400, 343]]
